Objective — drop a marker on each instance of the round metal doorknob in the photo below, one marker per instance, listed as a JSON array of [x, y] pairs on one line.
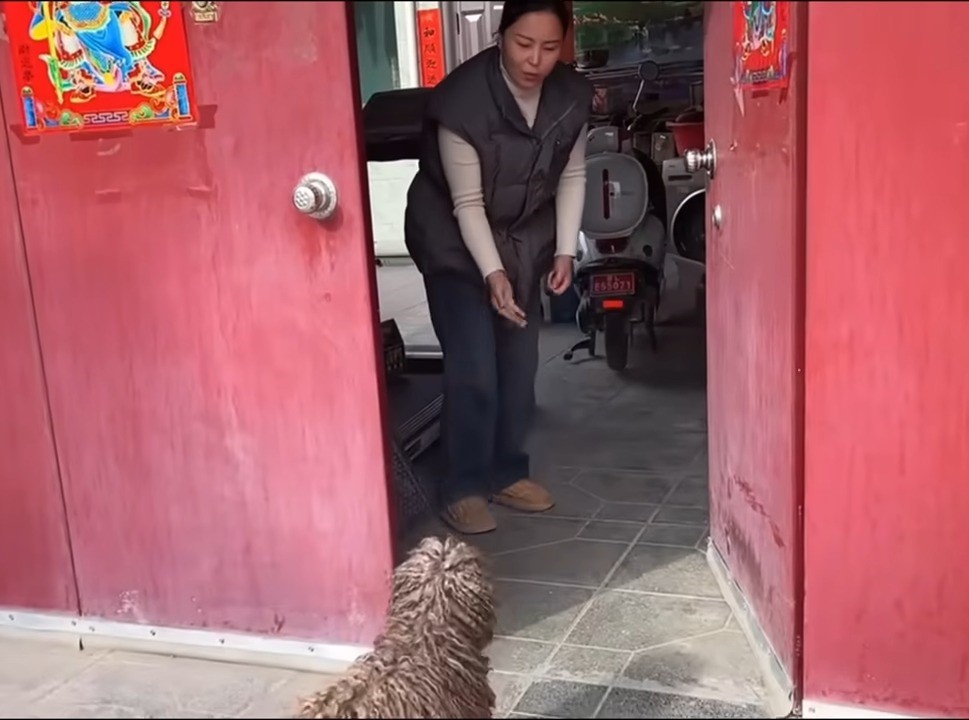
[[315, 195], [702, 159]]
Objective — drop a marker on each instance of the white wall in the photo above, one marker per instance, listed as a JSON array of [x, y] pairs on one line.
[[388, 198]]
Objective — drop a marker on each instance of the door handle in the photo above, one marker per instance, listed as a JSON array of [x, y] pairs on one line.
[[702, 159], [315, 195]]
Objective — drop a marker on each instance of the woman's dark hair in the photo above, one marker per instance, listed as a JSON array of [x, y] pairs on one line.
[[514, 9]]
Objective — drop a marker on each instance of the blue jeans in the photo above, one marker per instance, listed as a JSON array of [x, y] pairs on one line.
[[489, 386]]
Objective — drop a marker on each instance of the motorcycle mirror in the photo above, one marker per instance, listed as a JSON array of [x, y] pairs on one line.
[[648, 71]]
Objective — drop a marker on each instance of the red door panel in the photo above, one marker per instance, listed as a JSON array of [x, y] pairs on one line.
[[35, 563], [887, 415], [211, 352], [754, 317]]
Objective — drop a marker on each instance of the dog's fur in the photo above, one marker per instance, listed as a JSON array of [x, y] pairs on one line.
[[430, 660]]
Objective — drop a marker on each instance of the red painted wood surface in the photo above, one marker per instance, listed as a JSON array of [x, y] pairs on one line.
[[887, 414], [754, 324], [35, 561], [211, 352]]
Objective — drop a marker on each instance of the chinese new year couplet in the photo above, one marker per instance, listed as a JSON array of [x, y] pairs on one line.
[[86, 66], [431, 48]]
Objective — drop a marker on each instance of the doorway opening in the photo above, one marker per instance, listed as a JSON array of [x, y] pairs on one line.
[[608, 604]]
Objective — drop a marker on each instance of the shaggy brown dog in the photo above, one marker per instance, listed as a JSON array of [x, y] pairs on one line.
[[429, 662]]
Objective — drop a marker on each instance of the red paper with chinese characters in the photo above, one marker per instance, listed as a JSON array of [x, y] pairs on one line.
[[97, 66], [761, 34], [431, 46]]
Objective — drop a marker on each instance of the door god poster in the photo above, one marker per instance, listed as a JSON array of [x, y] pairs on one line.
[[762, 42], [97, 66]]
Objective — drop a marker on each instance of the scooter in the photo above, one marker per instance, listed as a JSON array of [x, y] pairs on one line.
[[618, 270]]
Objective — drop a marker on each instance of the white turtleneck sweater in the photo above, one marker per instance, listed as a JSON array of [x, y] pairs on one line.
[[462, 169]]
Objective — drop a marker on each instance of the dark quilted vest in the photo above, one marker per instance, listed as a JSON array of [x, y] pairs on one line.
[[520, 169]]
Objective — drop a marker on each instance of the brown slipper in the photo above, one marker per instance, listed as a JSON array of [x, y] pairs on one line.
[[470, 516], [526, 496]]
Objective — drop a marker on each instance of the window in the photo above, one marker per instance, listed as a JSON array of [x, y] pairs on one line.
[[377, 56]]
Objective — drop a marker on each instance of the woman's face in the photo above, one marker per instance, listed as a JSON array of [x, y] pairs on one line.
[[531, 47]]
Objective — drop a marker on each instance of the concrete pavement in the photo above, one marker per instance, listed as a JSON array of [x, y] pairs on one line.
[[56, 679]]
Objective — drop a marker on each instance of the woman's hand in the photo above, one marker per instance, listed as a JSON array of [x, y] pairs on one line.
[[561, 276], [503, 298]]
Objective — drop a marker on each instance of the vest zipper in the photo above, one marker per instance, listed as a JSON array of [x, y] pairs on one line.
[[544, 136], [557, 122]]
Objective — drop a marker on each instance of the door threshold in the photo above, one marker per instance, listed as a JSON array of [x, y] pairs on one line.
[[233, 647]]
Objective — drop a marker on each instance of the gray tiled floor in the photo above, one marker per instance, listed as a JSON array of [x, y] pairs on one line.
[[607, 606]]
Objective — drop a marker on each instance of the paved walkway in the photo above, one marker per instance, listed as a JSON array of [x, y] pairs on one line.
[[55, 679], [45, 679]]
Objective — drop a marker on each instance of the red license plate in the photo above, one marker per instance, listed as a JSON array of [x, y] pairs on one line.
[[623, 283]]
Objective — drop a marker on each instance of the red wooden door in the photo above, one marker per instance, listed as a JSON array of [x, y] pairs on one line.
[[755, 325], [887, 415], [211, 353], [35, 569]]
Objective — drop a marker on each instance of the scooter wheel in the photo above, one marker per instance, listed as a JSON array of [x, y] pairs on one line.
[[617, 341]]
